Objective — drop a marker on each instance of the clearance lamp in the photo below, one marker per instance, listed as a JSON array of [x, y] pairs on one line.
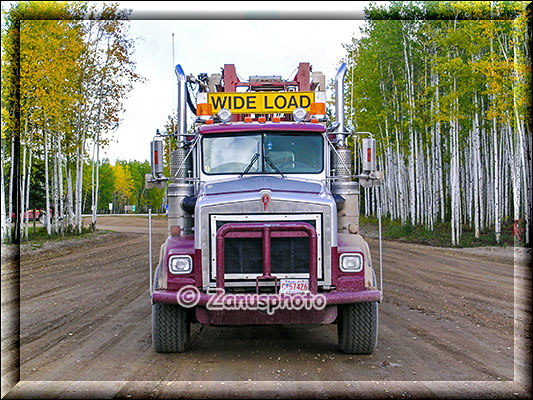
[[299, 114], [224, 115]]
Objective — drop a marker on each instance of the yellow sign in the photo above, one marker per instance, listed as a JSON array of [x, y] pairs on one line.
[[261, 102]]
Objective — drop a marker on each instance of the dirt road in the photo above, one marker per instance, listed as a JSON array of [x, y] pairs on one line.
[[453, 322]]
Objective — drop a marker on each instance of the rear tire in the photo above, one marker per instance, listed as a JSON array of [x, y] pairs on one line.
[[171, 328], [358, 327]]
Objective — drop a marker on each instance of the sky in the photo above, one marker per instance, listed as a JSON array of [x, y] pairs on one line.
[[218, 33]]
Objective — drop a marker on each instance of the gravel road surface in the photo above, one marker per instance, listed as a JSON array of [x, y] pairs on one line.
[[453, 323]]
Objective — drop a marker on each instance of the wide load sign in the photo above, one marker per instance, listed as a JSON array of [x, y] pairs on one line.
[[261, 102]]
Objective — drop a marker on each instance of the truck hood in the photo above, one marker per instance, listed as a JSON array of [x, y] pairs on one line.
[[258, 183]]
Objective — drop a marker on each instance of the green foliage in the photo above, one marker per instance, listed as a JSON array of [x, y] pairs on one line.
[[440, 236], [106, 185], [66, 70], [417, 75]]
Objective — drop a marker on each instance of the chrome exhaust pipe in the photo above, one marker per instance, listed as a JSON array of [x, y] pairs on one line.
[[182, 102], [339, 102]]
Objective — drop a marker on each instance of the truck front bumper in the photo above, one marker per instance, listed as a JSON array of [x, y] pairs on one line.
[[265, 309], [332, 298]]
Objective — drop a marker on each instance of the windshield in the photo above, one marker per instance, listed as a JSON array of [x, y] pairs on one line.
[[270, 153]]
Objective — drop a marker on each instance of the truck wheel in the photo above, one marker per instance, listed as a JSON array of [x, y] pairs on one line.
[[358, 327], [171, 328]]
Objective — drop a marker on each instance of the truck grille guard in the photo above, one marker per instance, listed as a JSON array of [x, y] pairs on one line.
[[266, 231]]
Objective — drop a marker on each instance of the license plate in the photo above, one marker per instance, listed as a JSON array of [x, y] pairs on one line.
[[294, 285]]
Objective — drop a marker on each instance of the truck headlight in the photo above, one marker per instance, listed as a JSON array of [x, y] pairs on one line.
[[351, 262], [180, 265]]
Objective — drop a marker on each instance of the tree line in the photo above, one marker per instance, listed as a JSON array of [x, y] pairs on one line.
[[446, 87], [66, 69]]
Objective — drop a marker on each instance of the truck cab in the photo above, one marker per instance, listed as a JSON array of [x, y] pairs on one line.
[[263, 213]]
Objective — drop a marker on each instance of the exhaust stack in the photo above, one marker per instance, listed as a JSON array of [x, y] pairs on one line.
[[182, 101], [344, 187], [179, 189], [339, 102]]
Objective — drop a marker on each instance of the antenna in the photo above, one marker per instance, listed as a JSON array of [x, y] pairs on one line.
[[174, 96], [173, 66]]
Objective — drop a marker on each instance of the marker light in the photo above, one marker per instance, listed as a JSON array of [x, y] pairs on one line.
[[318, 109], [224, 115], [299, 114], [276, 119], [204, 109], [262, 119], [247, 119]]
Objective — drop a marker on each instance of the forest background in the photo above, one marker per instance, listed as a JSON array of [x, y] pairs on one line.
[[446, 93]]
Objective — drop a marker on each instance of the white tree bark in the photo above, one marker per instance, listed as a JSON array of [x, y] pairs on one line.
[[497, 219], [46, 180], [23, 188], [475, 145], [11, 186], [61, 215], [26, 228], [3, 220], [69, 200]]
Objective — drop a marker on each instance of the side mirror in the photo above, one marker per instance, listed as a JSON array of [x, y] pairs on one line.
[[369, 155], [370, 177], [156, 158]]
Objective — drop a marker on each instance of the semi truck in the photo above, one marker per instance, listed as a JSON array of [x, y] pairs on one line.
[[263, 211]]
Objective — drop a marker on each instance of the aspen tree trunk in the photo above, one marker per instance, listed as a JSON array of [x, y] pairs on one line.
[[76, 193], [469, 179], [28, 190], [47, 192], [411, 138], [516, 175], [79, 189], [504, 171], [520, 153], [24, 206], [11, 186], [416, 180], [458, 170], [3, 219], [400, 184], [438, 139], [475, 139], [497, 223], [55, 184], [525, 180], [429, 177], [93, 215], [452, 182], [23, 187], [69, 202], [60, 187]]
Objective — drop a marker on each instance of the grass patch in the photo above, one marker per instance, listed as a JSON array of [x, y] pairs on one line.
[[441, 234], [40, 236]]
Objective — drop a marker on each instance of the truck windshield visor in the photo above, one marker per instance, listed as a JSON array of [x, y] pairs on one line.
[[288, 153]]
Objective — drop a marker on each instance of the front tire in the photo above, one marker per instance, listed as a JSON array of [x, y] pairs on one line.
[[358, 327], [171, 328]]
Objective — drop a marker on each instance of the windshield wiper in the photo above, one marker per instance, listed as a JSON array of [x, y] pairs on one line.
[[252, 161], [269, 162]]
